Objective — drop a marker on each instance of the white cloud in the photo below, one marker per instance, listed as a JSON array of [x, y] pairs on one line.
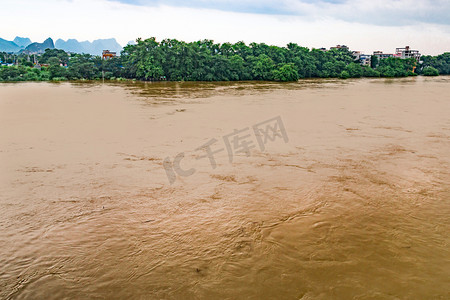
[[92, 19], [377, 12]]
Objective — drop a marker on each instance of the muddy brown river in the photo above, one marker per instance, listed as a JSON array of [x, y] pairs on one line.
[[321, 189]]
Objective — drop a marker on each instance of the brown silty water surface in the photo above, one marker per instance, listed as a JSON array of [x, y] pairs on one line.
[[354, 206]]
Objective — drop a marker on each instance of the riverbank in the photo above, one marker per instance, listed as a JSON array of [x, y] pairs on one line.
[[32, 76], [172, 60]]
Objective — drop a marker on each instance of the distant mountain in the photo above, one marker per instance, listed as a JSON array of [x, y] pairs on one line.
[[106, 44], [22, 42], [8, 46], [71, 45], [95, 48], [40, 47]]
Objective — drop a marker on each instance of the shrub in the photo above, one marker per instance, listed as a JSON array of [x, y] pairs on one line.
[[430, 71], [344, 75]]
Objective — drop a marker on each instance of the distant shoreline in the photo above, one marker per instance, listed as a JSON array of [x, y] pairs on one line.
[[223, 82], [204, 60]]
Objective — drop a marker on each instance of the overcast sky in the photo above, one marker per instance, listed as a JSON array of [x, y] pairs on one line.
[[365, 25]]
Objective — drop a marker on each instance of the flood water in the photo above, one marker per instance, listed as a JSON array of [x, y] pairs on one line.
[[355, 205]]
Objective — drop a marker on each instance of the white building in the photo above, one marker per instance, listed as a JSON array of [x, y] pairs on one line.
[[365, 59], [407, 53], [382, 55]]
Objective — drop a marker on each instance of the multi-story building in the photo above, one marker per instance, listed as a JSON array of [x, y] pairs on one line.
[[407, 53], [382, 55], [365, 59], [356, 54], [108, 54], [339, 47]]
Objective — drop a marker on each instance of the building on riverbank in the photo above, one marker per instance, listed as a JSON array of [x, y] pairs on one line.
[[365, 59], [340, 47], [406, 52], [108, 54], [381, 55]]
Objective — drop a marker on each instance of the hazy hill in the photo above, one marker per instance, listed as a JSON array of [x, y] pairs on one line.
[[40, 47], [95, 48], [8, 46], [22, 42], [71, 45]]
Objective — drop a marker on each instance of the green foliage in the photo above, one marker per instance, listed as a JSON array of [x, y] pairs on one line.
[[373, 61], [50, 55], [344, 75], [287, 72], [12, 73], [56, 71], [53, 61], [262, 67], [82, 66], [386, 71], [441, 63], [205, 60], [22, 73], [430, 71], [354, 70], [396, 67], [27, 63], [369, 72]]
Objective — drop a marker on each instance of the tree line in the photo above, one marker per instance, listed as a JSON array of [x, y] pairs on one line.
[[205, 60]]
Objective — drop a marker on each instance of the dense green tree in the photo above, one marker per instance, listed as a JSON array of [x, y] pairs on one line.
[[205, 60], [373, 61], [61, 55], [440, 63], [430, 71], [27, 63], [396, 67], [262, 67], [287, 72], [53, 61], [82, 66], [369, 72], [354, 70], [344, 75], [57, 72]]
